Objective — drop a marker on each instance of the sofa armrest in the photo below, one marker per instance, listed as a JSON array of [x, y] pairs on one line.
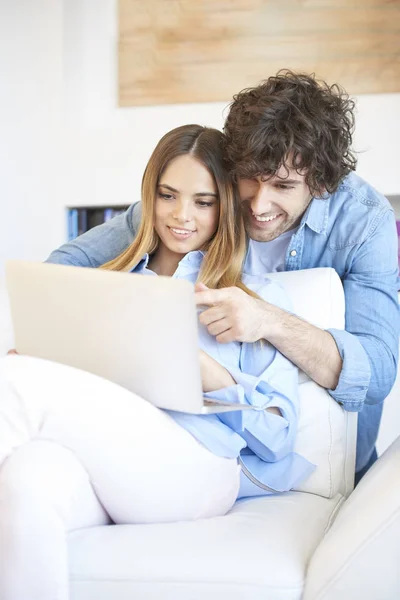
[[360, 555]]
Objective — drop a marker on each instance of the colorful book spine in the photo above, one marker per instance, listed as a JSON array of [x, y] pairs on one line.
[[82, 221], [84, 218], [73, 226], [108, 214]]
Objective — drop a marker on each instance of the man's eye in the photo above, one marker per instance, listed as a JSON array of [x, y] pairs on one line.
[[282, 186]]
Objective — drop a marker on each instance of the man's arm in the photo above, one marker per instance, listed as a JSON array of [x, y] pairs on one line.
[[372, 317], [312, 349], [235, 316], [356, 365], [100, 244]]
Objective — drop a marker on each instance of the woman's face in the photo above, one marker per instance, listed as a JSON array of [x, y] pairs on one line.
[[187, 206]]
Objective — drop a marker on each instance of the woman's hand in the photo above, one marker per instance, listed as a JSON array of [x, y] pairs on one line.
[[13, 351], [213, 375]]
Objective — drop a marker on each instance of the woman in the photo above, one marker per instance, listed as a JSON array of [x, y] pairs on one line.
[[82, 451]]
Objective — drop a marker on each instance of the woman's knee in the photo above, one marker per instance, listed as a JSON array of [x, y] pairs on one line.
[[41, 478]]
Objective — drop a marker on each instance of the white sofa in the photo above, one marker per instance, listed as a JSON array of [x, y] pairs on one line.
[[322, 541], [319, 542]]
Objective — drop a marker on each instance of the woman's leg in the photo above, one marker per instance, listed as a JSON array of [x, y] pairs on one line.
[[143, 466], [44, 493]]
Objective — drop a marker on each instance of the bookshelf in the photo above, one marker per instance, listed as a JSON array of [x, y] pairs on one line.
[[82, 218]]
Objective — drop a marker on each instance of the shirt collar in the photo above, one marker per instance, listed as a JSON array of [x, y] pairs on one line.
[[142, 264], [194, 259], [316, 215]]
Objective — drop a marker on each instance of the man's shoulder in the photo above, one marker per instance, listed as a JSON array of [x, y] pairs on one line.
[[356, 210], [358, 192], [102, 243]]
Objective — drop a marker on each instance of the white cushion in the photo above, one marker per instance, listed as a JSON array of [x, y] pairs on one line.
[[360, 555], [327, 433], [6, 331], [260, 550]]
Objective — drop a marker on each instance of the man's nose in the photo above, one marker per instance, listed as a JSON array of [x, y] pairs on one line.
[[261, 202]]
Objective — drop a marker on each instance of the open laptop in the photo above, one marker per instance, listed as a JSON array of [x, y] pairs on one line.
[[137, 331]]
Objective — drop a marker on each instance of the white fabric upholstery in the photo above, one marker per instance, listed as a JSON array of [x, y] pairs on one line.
[[316, 294], [259, 550], [360, 555], [326, 432]]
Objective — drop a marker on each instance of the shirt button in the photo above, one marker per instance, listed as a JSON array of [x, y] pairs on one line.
[[293, 253]]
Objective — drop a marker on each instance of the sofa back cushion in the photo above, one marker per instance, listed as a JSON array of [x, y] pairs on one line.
[[327, 434]]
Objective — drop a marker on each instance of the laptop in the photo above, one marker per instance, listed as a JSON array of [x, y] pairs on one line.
[[137, 331]]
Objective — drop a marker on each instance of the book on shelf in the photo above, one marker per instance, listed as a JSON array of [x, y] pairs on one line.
[[83, 218]]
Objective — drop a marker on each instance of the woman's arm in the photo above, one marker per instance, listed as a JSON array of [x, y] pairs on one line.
[[268, 381], [213, 375]]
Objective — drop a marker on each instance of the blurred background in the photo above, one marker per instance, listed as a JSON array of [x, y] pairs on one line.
[[87, 87]]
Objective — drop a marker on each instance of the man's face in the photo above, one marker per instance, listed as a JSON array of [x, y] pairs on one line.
[[273, 205]]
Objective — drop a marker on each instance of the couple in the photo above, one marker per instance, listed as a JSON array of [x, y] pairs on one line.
[[287, 145]]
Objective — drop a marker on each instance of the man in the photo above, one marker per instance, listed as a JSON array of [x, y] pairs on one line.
[[288, 144]]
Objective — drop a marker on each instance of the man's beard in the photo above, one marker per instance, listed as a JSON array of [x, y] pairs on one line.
[[259, 235]]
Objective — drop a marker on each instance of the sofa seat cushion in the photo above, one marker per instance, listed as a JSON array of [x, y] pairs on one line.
[[259, 550]]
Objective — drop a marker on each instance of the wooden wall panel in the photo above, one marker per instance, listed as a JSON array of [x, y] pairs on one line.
[[173, 51]]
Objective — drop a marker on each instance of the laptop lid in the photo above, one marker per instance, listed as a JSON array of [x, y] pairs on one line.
[[137, 331]]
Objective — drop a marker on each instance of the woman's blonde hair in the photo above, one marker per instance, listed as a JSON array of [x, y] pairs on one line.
[[225, 251]]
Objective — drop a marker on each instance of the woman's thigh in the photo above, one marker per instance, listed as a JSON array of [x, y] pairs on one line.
[[142, 465]]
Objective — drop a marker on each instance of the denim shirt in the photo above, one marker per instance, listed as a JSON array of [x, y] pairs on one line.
[[353, 230], [262, 441]]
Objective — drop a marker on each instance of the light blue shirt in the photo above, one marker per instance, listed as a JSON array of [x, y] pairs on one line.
[[262, 441], [269, 257], [353, 230]]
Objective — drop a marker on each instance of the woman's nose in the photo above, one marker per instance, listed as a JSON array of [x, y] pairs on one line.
[[181, 212]]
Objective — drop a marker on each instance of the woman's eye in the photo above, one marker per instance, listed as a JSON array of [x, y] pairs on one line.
[[165, 196], [203, 203]]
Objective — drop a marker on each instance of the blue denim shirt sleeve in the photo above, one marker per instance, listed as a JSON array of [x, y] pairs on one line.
[[100, 244], [369, 346]]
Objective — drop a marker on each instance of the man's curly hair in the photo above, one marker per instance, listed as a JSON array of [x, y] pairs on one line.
[[292, 116]]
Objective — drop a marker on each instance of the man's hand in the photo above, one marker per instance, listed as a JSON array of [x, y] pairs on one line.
[[233, 315]]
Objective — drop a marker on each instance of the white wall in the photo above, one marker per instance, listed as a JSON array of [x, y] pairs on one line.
[[31, 162], [64, 141]]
